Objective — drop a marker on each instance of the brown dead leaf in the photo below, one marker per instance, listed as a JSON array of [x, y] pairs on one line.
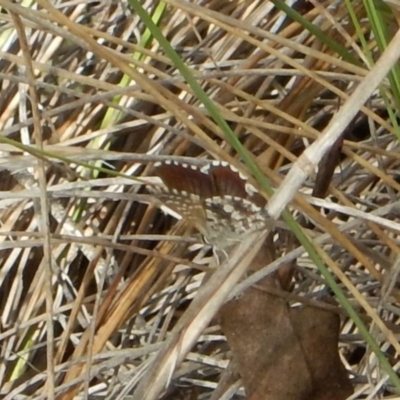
[[283, 353], [318, 332]]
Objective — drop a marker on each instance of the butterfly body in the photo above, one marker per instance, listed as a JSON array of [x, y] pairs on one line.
[[215, 199]]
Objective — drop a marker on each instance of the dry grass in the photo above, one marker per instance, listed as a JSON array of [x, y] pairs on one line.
[[94, 277]]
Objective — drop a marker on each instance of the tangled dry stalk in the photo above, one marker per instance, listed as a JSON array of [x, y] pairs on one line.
[[103, 294]]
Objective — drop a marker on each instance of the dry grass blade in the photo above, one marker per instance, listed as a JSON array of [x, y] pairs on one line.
[[310, 158], [107, 294], [208, 300]]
